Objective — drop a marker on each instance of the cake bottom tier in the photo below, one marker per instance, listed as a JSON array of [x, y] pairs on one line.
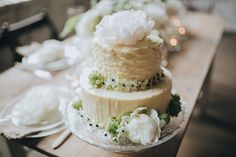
[[100, 104]]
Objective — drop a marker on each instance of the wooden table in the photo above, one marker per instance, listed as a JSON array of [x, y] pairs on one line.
[[189, 68]]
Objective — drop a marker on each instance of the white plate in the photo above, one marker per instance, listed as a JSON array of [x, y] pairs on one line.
[[95, 136], [53, 121], [71, 56], [53, 66]]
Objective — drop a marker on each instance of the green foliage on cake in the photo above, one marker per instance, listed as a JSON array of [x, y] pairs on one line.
[[96, 79], [113, 125], [78, 105], [174, 106]]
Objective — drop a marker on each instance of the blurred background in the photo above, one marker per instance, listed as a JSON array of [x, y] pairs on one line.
[[212, 130]]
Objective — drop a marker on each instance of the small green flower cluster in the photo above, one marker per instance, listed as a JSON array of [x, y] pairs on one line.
[[97, 80], [78, 105], [113, 126]]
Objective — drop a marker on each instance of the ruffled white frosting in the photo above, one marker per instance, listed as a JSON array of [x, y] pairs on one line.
[[138, 62], [123, 28]]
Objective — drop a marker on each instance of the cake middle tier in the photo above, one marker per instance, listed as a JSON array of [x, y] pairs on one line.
[[101, 104]]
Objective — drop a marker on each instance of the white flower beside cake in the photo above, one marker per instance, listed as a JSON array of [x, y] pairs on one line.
[[36, 106], [127, 93], [50, 51]]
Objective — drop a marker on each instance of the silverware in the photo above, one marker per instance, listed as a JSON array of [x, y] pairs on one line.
[[61, 139]]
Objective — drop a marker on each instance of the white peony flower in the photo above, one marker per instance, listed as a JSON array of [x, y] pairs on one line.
[[123, 28], [87, 23], [143, 128], [104, 7], [157, 12]]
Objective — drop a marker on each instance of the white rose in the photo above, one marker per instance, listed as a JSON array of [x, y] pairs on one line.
[[143, 129], [123, 28], [87, 23], [157, 12], [104, 7]]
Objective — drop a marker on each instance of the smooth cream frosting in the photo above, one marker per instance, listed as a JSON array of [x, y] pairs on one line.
[[101, 104]]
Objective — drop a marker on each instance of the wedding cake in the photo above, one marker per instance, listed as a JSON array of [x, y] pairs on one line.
[[127, 92]]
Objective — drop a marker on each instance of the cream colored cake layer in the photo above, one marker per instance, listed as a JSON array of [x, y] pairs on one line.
[[137, 62], [101, 104]]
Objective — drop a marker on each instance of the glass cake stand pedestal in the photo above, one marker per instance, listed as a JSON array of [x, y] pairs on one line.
[[98, 137]]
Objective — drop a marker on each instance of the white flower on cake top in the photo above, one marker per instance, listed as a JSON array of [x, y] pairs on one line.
[[123, 28]]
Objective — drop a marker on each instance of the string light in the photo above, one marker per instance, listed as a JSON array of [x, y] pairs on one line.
[[181, 30], [173, 41]]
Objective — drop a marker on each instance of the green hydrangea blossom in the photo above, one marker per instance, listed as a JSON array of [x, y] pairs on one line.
[[78, 105], [96, 79], [165, 117], [113, 125]]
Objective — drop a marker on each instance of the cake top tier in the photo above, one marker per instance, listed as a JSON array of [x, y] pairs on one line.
[[125, 28], [127, 46]]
